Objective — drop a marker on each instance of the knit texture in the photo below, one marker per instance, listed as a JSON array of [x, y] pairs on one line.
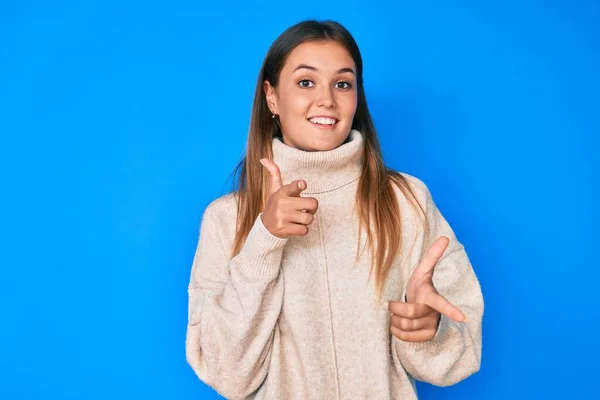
[[298, 318]]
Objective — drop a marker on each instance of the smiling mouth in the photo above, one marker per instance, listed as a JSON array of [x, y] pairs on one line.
[[323, 122]]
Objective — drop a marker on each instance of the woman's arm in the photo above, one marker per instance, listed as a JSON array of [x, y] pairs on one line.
[[234, 305], [454, 353]]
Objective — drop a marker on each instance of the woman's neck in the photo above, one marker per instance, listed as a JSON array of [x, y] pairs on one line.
[[323, 171]]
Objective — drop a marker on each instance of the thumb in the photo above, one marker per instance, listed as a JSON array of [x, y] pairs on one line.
[[275, 182], [433, 255], [422, 276]]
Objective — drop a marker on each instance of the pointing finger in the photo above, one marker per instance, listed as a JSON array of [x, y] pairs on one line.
[[439, 303], [293, 189]]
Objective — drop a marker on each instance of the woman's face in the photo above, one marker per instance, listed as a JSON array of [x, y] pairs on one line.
[[316, 96]]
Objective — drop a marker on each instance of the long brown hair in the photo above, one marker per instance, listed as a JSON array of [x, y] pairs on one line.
[[376, 201]]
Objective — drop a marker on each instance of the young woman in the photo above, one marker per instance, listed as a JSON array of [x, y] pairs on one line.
[[326, 275]]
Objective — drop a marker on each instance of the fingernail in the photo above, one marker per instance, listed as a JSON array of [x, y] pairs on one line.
[[386, 304], [300, 184], [261, 161]]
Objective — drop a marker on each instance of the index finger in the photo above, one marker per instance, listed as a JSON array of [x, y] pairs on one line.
[[442, 305], [293, 189]]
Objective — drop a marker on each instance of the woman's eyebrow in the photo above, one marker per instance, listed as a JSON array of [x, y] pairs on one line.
[[341, 70]]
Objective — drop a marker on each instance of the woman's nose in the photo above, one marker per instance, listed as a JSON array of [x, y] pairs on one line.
[[325, 98]]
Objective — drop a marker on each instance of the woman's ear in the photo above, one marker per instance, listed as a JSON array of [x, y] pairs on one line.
[[271, 97]]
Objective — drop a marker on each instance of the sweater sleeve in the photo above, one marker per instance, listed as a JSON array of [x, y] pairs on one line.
[[233, 307], [454, 353]]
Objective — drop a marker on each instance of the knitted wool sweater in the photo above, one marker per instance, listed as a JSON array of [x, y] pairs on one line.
[[298, 318]]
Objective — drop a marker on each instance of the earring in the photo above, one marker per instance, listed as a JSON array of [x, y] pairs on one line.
[[274, 116]]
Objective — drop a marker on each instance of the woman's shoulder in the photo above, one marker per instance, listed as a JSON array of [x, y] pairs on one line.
[[223, 209], [416, 185]]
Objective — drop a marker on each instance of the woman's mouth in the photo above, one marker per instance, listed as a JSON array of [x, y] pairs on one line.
[[323, 122]]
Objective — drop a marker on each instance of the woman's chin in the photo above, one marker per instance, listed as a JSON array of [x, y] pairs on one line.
[[317, 138]]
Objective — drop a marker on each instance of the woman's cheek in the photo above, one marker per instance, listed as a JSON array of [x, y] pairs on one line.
[[304, 97], [348, 105]]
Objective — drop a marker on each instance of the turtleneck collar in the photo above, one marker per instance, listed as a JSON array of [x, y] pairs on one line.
[[323, 171]]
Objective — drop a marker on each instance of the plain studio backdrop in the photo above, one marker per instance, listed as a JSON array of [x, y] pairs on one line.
[[120, 121]]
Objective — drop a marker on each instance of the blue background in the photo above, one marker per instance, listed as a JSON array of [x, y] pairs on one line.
[[121, 121]]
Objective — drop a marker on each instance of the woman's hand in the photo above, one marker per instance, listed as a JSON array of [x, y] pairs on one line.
[[417, 320], [286, 213]]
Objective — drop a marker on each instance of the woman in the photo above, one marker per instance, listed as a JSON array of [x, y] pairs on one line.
[[281, 306]]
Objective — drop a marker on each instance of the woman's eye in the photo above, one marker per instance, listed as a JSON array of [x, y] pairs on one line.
[[343, 85], [305, 83]]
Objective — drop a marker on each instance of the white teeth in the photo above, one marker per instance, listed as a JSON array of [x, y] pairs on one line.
[[322, 120]]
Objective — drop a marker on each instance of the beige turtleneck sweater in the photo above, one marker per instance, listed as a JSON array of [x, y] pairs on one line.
[[297, 318]]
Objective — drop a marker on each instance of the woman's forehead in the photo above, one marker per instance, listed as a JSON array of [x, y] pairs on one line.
[[322, 56]]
